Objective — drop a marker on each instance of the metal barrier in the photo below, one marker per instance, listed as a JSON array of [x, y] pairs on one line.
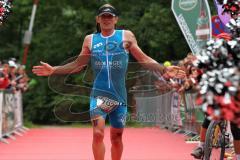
[[168, 111], [193, 114], [11, 115]]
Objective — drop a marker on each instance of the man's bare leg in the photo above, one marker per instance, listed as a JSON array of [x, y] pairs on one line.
[[98, 135], [117, 145]]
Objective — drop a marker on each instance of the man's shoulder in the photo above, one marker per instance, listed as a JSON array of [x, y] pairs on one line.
[[88, 38], [128, 32], [87, 41]]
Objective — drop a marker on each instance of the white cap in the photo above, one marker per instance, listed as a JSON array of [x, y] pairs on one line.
[[12, 64]]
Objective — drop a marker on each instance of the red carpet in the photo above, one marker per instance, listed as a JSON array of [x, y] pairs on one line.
[[75, 144]]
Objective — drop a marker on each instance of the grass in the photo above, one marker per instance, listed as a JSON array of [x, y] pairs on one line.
[[29, 124]]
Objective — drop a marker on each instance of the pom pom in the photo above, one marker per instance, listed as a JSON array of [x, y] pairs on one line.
[[5, 9]]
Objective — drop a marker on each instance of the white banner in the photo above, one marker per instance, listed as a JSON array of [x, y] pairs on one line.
[[9, 107], [175, 109], [18, 110]]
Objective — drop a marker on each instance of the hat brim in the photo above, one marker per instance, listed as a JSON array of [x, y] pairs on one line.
[[114, 15], [13, 66]]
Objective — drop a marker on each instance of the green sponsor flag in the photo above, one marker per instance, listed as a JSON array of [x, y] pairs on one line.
[[194, 19]]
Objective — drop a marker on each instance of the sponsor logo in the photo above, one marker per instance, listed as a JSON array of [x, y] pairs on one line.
[[112, 64], [106, 10], [98, 45], [188, 5]]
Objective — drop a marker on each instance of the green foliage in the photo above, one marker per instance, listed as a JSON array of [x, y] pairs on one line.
[[59, 29]]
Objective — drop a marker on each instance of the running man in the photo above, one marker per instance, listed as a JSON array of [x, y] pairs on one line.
[[108, 50]]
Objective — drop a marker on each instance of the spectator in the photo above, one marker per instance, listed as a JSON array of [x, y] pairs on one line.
[[12, 77], [22, 79], [4, 79]]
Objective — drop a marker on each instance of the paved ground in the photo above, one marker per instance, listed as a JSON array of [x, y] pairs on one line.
[[75, 144]]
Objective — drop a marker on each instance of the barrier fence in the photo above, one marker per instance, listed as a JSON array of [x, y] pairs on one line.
[[169, 110], [11, 115]]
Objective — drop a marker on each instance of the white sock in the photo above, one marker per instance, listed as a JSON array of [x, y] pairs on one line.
[[238, 156], [201, 144]]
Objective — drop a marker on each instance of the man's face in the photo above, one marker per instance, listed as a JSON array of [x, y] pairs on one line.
[[6, 67], [12, 69], [107, 21]]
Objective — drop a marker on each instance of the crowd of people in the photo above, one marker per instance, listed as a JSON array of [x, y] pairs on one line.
[[194, 76], [13, 76]]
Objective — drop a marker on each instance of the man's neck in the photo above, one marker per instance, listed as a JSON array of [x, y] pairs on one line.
[[106, 33]]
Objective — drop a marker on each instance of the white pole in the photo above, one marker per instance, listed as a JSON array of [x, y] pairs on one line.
[[34, 9], [28, 34]]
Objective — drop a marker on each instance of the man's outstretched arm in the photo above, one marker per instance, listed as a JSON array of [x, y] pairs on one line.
[[148, 62], [140, 56], [82, 60]]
